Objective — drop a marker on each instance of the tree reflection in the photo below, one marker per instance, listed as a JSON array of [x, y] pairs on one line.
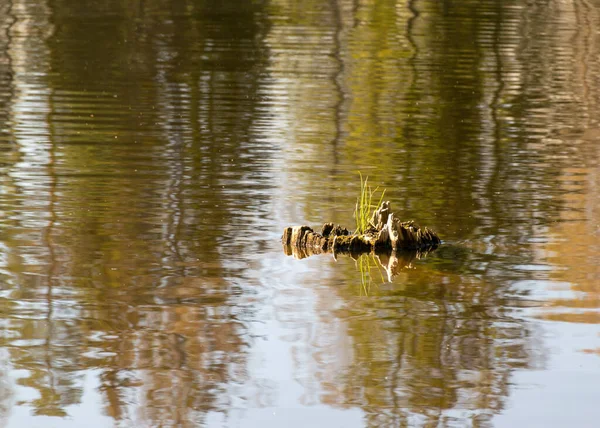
[[456, 120], [431, 350], [142, 140], [138, 144]]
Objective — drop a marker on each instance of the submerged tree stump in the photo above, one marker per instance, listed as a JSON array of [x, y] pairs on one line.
[[385, 232]]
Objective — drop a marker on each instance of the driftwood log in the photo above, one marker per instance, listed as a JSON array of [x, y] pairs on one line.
[[385, 232]]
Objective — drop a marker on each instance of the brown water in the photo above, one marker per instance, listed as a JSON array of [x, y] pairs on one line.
[[151, 153]]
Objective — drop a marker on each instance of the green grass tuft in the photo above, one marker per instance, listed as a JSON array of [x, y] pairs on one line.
[[364, 205]]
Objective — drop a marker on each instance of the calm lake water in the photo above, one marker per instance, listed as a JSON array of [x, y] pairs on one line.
[[153, 151]]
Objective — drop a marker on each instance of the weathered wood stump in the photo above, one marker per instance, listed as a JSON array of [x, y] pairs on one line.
[[386, 232]]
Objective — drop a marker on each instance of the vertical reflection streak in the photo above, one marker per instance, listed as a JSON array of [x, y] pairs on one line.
[[49, 230], [413, 85], [494, 107], [7, 393], [47, 239], [409, 35], [337, 79], [583, 34], [10, 66]]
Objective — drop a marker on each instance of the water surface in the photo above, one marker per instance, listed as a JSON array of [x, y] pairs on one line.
[[152, 152]]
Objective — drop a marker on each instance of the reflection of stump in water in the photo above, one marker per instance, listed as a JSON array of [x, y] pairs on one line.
[[393, 261], [395, 243]]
